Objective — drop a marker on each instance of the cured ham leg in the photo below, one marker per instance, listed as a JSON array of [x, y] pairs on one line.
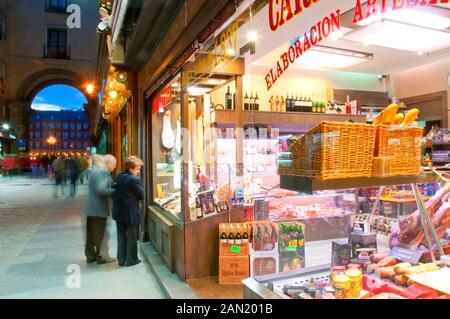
[[167, 136], [410, 230]]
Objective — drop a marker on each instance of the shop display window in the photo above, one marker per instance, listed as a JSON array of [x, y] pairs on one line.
[[167, 149]]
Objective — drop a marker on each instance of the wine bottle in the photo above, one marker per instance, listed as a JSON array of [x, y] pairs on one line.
[[231, 236], [314, 105], [234, 101], [256, 102], [288, 103], [245, 236], [223, 238], [198, 208], [292, 103], [310, 103], [303, 104], [283, 104], [277, 103], [297, 104], [252, 102], [272, 104], [238, 238], [228, 100], [247, 102], [348, 107]]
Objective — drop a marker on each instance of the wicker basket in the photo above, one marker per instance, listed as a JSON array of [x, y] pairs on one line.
[[333, 150], [403, 145]]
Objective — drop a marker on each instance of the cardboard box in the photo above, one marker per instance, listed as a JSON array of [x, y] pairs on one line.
[[341, 253], [233, 250], [264, 263], [290, 261], [233, 269], [362, 241]]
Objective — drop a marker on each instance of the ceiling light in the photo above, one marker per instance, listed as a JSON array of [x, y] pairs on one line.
[[326, 57], [5, 126], [113, 94], [252, 36], [420, 53], [401, 36], [195, 90], [410, 16], [336, 35], [231, 52]]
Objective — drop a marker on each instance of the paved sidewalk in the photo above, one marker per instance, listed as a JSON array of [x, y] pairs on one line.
[[42, 242]]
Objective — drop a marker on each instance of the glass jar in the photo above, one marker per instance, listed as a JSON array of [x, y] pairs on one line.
[[341, 285], [355, 277], [336, 270]]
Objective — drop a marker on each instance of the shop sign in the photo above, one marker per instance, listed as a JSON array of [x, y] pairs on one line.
[[318, 32], [163, 99], [223, 47], [283, 11]]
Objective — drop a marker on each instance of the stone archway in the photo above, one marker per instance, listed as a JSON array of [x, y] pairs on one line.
[[20, 107]]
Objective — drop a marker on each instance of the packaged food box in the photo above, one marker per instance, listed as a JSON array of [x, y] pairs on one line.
[[341, 253]]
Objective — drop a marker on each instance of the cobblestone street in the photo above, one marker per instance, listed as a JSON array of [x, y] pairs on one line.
[[40, 237]]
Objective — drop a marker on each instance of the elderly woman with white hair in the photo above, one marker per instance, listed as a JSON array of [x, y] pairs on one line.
[[97, 207]]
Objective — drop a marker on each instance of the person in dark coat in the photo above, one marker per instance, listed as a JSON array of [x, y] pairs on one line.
[[126, 211]]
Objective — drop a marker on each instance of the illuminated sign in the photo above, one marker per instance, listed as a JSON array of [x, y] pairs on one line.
[[163, 99], [282, 11]]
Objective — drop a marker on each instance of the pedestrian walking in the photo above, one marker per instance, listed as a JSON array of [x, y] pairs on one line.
[[97, 207], [73, 169], [126, 211], [59, 169]]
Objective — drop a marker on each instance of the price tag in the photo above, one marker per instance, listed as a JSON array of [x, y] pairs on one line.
[[235, 249], [406, 255], [292, 249]]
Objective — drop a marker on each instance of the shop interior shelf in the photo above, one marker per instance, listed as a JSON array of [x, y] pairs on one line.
[[283, 118], [309, 185]]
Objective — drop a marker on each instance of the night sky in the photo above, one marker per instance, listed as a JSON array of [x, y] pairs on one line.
[[59, 97]]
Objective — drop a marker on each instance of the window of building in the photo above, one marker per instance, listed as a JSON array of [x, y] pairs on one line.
[[85, 144], [85, 126], [85, 135], [78, 134], [66, 126], [57, 44], [65, 144], [38, 135], [79, 126], [58, 125], [38, 144], [72, 126], [72, 135], [2, 26], [59, 6], [65, 135], [51, 126]]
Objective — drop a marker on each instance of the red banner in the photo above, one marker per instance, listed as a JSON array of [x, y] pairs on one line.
[[163, 99]]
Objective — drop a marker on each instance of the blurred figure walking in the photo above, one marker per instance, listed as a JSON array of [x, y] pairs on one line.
[[73, 169], [59, 171], [97, 207], [126, 211]]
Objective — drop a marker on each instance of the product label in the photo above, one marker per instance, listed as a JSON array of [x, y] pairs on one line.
[[235, 249]]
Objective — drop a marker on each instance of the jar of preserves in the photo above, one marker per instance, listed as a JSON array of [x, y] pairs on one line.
[[354, 266], [341, 285], [355, 277], [336, 270]]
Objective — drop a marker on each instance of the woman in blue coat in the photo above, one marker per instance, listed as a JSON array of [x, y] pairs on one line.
[[126, 211]]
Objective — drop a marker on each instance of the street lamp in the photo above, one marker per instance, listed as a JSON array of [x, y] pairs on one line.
[[90, 88], [51, 140]]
